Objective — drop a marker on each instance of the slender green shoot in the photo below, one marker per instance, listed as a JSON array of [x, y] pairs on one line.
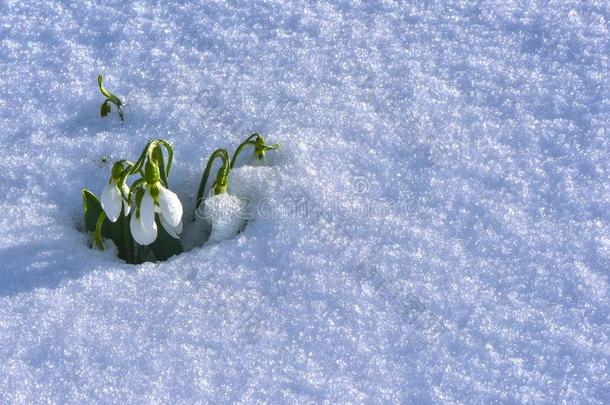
[[110, 98], [221, 177]]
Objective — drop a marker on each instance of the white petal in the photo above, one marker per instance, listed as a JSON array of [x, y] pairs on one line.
[[140, 233], [178, 228], [147, 210], [170, 205], [170, 229], [111, 201], [126, 204]]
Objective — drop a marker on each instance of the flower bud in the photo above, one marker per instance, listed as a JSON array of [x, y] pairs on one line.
[[151, 172], [117, 170]]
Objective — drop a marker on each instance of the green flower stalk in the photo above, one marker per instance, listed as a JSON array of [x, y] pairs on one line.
[[110, 98], [222, 176], [153, 197]]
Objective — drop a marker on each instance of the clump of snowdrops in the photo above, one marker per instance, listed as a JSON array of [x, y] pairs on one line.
[[142, 217]]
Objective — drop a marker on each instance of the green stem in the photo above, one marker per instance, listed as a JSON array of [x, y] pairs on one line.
[[134, 187], [170, 155], [124, 176], [157, 155], [127, 236], [140, 162], [147, 152], [218, 153], [240, 148], [110, 97], [221, 181], [97, 235]]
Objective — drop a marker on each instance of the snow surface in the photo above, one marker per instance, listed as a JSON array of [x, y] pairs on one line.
[[435, 227]]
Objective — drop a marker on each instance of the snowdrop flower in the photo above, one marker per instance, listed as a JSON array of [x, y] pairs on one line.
[[153, 198], [260, 149], [112, 198], [258, 158], [142, 224]]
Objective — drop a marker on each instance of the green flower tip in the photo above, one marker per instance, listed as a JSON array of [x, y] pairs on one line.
[[117, 170], [151, 172]]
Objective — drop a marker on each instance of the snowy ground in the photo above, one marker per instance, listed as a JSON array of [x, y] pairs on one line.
[[451, 166]]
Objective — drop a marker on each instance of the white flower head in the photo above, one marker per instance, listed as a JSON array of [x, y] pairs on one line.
[[260, 147], [155, 198], [113, 195], [142, 223], [169, 208]]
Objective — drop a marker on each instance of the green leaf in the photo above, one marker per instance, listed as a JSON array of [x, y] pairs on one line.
[[100, 84], [110, 97], [121, 236], [118, 231], [157, 156], [91, 209], [97, 235], [105, 109], [165, 246]]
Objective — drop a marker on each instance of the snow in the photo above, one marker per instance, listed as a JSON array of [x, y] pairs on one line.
[[225, 215], [435, 227]]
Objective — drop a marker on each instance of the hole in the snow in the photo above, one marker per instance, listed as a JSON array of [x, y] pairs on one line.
[[218, 218], [145, 221]]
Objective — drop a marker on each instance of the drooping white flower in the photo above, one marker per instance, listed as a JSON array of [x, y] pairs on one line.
[[142, 224], [168, 205], [173, 231], [155, 199], [258, 158], [112, 199]]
